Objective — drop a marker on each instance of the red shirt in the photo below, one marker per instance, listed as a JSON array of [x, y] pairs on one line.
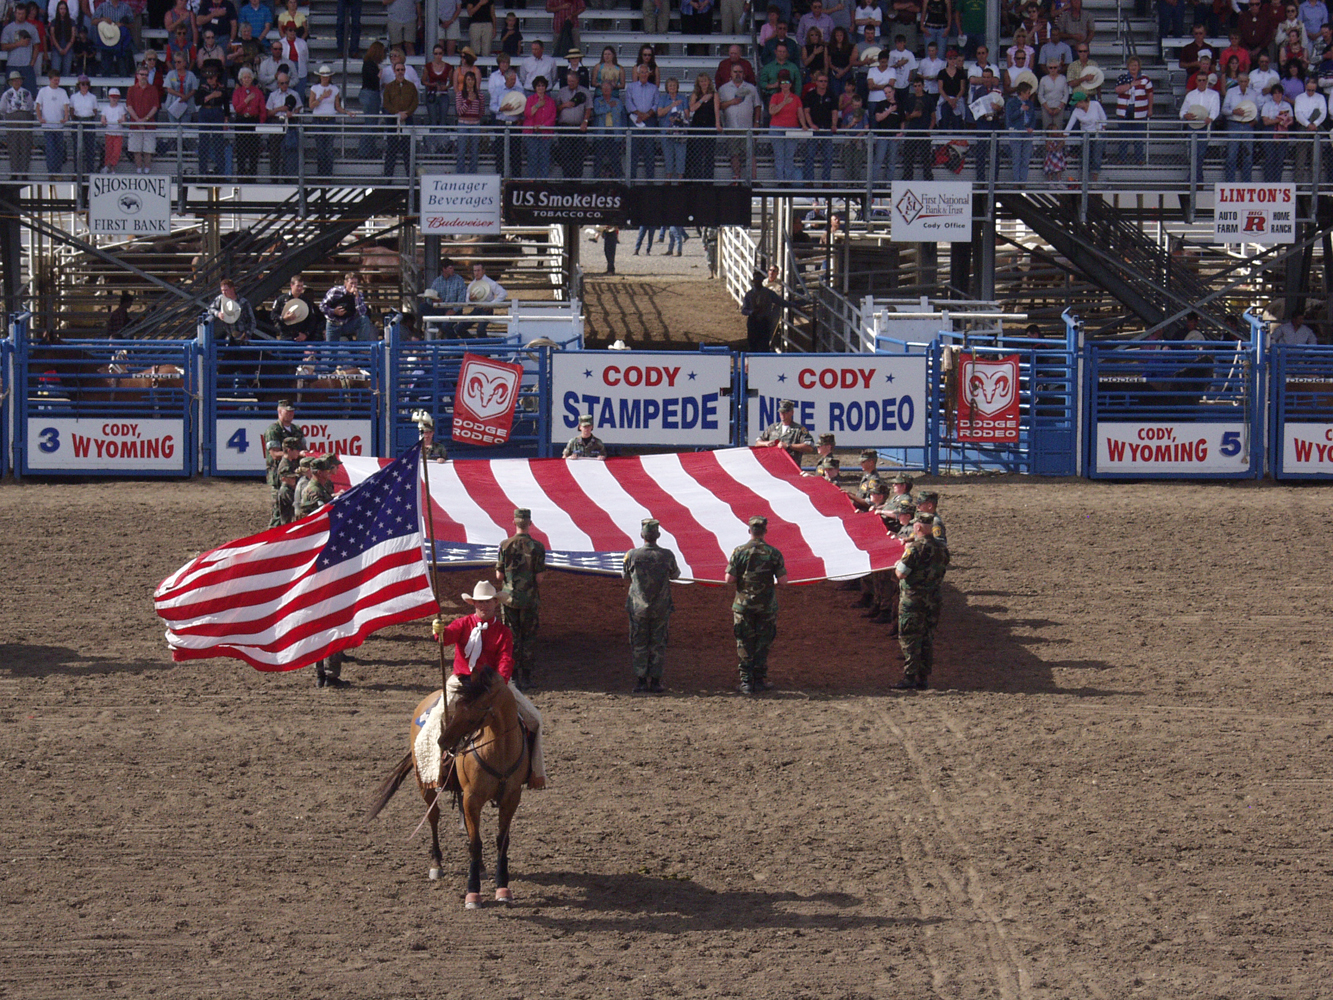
[[723, 74], [144, 102], [497, 645]]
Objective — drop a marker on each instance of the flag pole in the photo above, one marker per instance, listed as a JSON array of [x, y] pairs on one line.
[[434, 579]]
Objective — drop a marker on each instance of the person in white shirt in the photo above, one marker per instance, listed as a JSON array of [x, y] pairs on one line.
[[868, 15], [537, 64], [296, 54], [409, 74], [1263, 76], [1057, 50], [497, 294], [902, 62], [1240, 131], [931, 67], [53, 111], [880, 81], [1277, 117], [496, 81], [976, 69], [1202, 104], [113, 117], [1019, 64], [1053, 95], [1293, 332], [1310, 111], [284, 108], [85, 113], [1089, 119]]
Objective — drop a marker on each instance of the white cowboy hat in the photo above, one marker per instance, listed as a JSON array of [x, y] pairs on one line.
[[512, 103], [295, 311], [1095, 78], [1197, 116], [479, 291], [872, 52], [230, 310], [325, 70], [619, 345], [109, 33], [431, 293], [1246, 111], [484, 591], [1028, 77]]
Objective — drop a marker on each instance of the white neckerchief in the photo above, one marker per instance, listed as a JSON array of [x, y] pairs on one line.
[[473, 648]]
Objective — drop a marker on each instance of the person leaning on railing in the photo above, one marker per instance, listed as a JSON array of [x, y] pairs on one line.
[[609, 124]]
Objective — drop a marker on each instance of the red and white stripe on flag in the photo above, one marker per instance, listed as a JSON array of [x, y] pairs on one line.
[[291, 595], [587, 513]]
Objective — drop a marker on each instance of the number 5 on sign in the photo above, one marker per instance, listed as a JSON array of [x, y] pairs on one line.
[[238, 441], [1230, 443]]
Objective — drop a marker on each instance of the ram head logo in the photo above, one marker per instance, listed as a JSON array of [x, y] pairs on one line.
[[991, 386], [488, 390]]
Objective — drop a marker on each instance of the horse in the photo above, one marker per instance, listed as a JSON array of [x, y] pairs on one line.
[[491, 767]]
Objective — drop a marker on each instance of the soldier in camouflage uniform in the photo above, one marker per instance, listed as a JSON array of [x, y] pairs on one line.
[[902, 484], [287, 475], [755, 568], [883, 585], [305, 476], [520, 566], [275, 438], [920, 573], [328, 672], [824, 448], [584, 444], [927, 502], [786, 434], [431, 451], [650, 570]]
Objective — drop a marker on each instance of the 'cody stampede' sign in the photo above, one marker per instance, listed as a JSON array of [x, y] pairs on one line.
[[129, 206]]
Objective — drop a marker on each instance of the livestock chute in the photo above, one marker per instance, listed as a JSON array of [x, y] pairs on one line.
[[587, 513]]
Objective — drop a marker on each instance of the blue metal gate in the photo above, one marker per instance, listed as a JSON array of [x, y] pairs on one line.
[[6, 401], [335, 387], [1190, 410], [89, 407], [1301, 394], [424, 376]]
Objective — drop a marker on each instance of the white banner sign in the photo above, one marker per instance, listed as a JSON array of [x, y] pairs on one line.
[[931, 212], [672, 398], [868, 401], [1307, 448], [129, 204], [1148, 449], [129, 445], [241, 442], [1254, 213], [460, 203]]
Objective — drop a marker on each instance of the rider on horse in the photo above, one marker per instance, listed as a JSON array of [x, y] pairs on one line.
[[481, 640]]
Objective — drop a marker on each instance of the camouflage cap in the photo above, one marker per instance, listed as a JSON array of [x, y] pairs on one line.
[[585, 420], [334, 461], [305, 463], [758, 523], [786, 406], [826, 438], [926, 519], [649, 527], [830, 462], [522, 514], [905, 479], [291, 442], [322, 464], [287, 468], [927, 496], [868, 453], [904, 505], [876, 485], [286, 404]]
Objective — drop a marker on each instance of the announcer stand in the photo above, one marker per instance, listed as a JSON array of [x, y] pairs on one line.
[[103, 407], [1300, 411], [336, 389], [424, 375]]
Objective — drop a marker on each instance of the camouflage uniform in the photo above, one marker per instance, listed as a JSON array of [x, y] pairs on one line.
[[286, 501], [436, 450], [520, 559], [650, 570], [937, 523], [316, 495], [925, 562], [789, 434], [302, 484], [274, 438], [756, 566], [579, 448], [328, 672]]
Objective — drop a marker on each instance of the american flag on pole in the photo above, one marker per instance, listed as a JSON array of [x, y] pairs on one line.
[[293, 594]]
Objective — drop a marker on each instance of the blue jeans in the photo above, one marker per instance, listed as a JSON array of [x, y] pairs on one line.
[[352, 7], [1275, 157], [643, 148], [673, 155], [784, 155], [396, 145], [676, 238], [644, 231], [885, 164], [469, 143], [55, 149], [1170, 19], [823, 149], [210, 143], [1133, 134], [940, 36], [1240, 151], [368, 148], [608, 158], [118, 59], [537, 150], [1020, 157], [356, 327]]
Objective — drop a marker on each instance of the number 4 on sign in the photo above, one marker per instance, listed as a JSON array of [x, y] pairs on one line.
[[239, 441]]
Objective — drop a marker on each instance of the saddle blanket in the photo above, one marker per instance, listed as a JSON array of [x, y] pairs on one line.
[[426, 748]]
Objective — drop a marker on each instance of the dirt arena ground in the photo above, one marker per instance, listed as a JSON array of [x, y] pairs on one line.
[[1118, 786]]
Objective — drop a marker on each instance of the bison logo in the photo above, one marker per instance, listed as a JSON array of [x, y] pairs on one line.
[[130, 204], [990, 387]]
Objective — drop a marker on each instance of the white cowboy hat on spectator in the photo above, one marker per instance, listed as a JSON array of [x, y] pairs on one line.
[[872, 52], [479, 291], [325, 70], [484, 591], [295, 311], [1197, 115], [109, 33], [230, 310], [431, 293], [1246, 111], [512, 103], [1093, 78], [1028, 77], [619, 345]]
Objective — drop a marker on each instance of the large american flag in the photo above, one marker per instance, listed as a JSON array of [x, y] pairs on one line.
[[587, 513], [293, 594]]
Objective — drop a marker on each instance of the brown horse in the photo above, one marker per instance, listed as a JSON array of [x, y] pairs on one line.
[[492, 765]]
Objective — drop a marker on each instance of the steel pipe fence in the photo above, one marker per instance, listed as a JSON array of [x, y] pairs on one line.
[[346, 150], [1301, 395]]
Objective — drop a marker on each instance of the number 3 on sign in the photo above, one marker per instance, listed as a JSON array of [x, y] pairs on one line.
[[50, 439], [1230, 443], [239, 441]]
